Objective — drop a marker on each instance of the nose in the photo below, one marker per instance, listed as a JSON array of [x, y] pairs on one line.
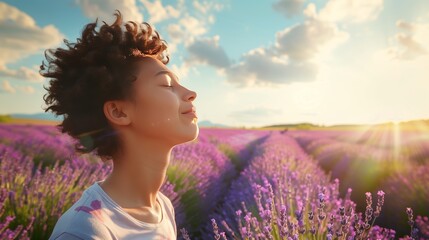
[[190, 95]]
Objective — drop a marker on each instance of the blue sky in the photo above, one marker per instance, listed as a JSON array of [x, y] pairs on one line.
[[252, 63]]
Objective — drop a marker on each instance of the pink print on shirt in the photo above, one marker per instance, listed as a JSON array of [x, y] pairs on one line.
[[95, 209]]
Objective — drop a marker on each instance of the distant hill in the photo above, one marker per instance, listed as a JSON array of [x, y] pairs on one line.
[[207, 123], [294, 126], [422, 124], [39, 116]]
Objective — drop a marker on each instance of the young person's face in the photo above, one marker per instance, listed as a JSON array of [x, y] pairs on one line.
[[160, 103]]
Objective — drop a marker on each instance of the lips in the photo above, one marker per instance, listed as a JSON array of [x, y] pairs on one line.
[[191, 112]]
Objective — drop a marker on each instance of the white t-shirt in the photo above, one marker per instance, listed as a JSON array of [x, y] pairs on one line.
[[96, 216]]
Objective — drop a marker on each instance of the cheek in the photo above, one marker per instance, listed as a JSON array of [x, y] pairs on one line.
[[158, 108]]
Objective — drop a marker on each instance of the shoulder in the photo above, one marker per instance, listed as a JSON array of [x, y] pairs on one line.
[[166, 200], [83, 220], [66, 236], [81, 225], [170, 211]]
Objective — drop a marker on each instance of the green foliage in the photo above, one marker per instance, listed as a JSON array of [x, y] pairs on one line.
[[5, 118], [191, 200], [230, 153], [182, 180]]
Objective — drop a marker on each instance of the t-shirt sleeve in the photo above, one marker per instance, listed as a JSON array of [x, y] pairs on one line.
[[174, 221], [67, 236], [90, 228], [81, 225], [173, 213], [85, 231]]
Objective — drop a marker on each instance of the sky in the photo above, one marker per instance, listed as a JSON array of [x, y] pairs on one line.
[[251, 63]]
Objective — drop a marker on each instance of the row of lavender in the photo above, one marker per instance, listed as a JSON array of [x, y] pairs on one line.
[[41, 177], [201, 172], [393, 160], [283, 194], [194, 188]]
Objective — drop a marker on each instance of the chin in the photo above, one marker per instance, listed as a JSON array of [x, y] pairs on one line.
[[190, 133]]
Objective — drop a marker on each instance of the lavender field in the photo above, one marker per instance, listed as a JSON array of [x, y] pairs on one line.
[[239, 183]]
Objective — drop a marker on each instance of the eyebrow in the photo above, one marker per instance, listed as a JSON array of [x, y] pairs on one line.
[[167, 72]]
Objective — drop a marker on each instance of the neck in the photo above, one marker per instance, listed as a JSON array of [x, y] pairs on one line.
[[138, 173]]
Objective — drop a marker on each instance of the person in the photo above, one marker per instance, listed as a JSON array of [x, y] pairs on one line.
[[120, 101]]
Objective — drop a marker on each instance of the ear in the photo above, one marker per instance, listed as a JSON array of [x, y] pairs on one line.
[[116, 112]]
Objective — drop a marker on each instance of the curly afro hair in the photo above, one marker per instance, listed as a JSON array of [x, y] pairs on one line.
[[95, 69]]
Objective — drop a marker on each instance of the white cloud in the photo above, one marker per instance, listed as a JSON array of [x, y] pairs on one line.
[[185, 31], [193, 26], [176, 34], [354, 11], [260, 67], [289, 7], [27, 89], [310, 11], [298, 50], [104, 9], [411, 42], [22, 73], [7, 88], [304, 41], [207, 50], [20, 38], [193, 23], [292, 58], [182, 70], [175, 31], [407, 26], [204, 7], [158, 12]]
